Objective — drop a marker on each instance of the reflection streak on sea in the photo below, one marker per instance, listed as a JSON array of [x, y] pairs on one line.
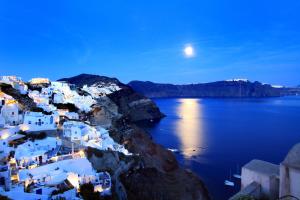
[[189, 127]]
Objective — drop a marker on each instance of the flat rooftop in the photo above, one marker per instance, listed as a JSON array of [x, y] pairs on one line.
[[262, 167]]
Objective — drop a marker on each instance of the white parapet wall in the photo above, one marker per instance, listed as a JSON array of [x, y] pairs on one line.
[[290, 173], [265, 174]]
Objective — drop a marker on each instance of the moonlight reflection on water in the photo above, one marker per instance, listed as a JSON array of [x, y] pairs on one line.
[[189, 127]]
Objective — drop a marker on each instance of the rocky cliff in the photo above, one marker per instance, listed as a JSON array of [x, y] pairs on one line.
[[25, 102], [232, 88], [153, 172], [130, 103]]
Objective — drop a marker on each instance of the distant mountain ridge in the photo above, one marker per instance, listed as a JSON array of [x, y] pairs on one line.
[[229, 88]]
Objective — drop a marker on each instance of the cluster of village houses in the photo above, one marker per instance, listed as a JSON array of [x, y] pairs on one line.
[[38, 169]]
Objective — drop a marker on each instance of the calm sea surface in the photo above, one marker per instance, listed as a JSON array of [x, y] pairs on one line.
[[216, 136]]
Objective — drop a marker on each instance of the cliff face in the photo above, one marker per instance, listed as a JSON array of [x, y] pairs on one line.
[[214, 89], [153, 173], [135, 106], [131, 104], [157, 175], [25, 102]]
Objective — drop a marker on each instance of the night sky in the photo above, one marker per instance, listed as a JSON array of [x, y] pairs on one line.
[[145, 40]]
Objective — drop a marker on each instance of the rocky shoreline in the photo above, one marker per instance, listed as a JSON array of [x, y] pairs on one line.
[[153, 172]]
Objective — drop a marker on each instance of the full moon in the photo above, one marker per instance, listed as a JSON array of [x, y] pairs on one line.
[[189, 51]]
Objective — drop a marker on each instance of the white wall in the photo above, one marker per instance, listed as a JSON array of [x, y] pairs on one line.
[[269, 184], [295, 182], [40, 123], [289, 181], [11, 115], [73, 132]]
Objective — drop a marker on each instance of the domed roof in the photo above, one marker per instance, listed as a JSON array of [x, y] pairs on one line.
[[293, 157]]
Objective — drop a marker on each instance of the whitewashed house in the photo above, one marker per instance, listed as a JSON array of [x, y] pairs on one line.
[[10, 79], [60, 85], [77, 171], [22, 87], [89, 136], [38, 97], [7, 135], [80, 132], [47, 91], [36, 81], [37, 121], [63, 93], [11, 113], [74, 132], [36, 152], [42, 100], [58, 98], [290, 173]]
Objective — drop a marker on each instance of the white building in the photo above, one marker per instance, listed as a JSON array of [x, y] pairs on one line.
[[11, 113], [77, 171], [290, 173], [38, 97], [79, 132], [10, 79], [42, 100], [74, 132], [58, 98], [101, 89], [89, 136], [36, 152], [7, 135], [35, 81], [60, 85], [64, 94], [265, 174], [47, 91], [37, 121], [22, 87]]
